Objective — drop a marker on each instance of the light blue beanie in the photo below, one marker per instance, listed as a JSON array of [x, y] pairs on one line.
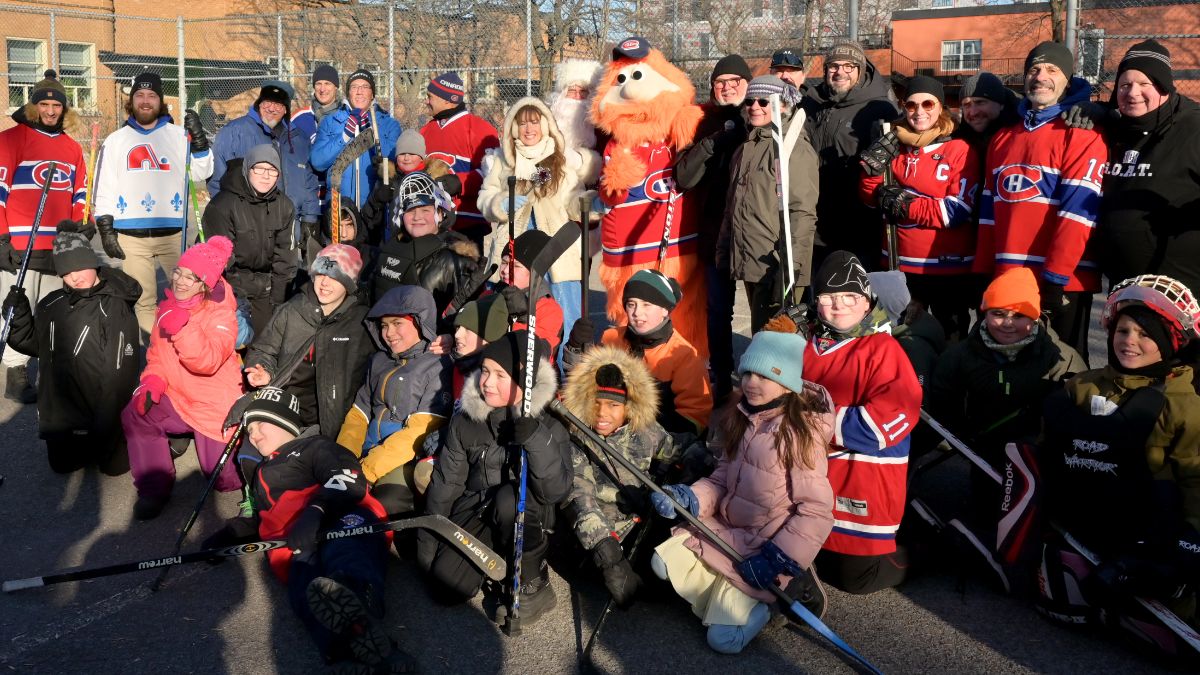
[[778, 357]]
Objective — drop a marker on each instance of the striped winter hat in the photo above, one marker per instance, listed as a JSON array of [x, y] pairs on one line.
[[448, 86], [654, 287], [274, 405], [1152, 59], [765, 86]]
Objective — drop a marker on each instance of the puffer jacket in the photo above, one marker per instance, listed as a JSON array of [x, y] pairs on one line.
[[749, 244], [87, 344], [751, 499], [987, 400], [340, 351], [406, 396], [202, 371], [260, 227], [548, 212], [923, 340], [476, 460], [442, 263], [297, 180]]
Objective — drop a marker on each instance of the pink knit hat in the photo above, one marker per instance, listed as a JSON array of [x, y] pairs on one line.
[[339, 262], [207, 260]]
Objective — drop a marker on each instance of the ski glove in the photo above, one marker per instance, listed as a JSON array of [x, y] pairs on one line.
[[894, 201], [304, 535], [383, 194], [191, 122], [682, 494], [1086, 115], [633, 500], [173, 319], [620, 579], [876, 158], [761, 569], [520, 430], [308, 230], [583, 333], [1138, 575], [1053, 298], [6, 254], [517, 301], [108, 237], [16, 301], [151, 392]]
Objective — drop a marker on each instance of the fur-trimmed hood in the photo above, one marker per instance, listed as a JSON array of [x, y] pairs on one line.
[[641, 405], [72, 123], [545, 386], [509, 133]]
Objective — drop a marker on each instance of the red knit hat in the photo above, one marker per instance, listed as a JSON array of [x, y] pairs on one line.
[[1015, 290], [207, 260]]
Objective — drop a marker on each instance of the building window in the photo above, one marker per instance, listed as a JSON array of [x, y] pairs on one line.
[[77, 72], [26, 62], [961, 54], [796, 7], [757, 8], [289, 67], [1091, 55], [939, 4]]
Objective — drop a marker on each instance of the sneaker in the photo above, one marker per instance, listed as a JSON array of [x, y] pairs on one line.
[[148, 508], [246, 506], [17, 386], [340, 610]]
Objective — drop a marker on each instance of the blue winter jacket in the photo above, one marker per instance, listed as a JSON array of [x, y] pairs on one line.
[[331, 139], [299, 181]]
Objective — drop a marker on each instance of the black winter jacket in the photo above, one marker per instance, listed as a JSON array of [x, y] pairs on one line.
[[87, 345], [1152, 194], [840, 128], [705, 169], [340, 352], [441, 263], [262, 231]]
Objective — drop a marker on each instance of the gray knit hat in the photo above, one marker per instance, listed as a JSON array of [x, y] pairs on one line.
[[72, 250], [984, 85], [411, 142], [764, 86]]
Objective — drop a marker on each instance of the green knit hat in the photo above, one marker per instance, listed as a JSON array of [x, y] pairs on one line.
[[654, 287], [486, 317]]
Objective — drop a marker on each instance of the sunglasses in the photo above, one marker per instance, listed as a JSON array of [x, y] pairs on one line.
[[762, 102], [926, 105]]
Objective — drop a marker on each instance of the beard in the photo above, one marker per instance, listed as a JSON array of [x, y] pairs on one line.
[[145, 116], [572, 118]]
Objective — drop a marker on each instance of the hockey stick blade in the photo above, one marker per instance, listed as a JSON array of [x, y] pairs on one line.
[[477, 553], [352, 150], [555, 248]]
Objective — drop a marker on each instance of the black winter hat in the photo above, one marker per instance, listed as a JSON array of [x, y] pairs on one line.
[[278, 92], [1149, 321], [49, 89], [610, 383], [1152, 59], [923, 84], [528, 245], [733, 64], [654, 287], [361, 74], [1051, 52], [984, 85], [274, 405], [842, 273], [72, 250], [325, 72], [511, 350], [147, 80]]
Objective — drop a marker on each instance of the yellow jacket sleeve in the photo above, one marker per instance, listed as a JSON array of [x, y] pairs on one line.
[[354, 431], [401, 447]]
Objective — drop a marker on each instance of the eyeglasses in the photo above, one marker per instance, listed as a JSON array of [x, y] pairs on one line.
[[729, 82], [186, 278], [926, 105], [843, 299], [762, 102], [268, 171], [844, 67], [360, 87]]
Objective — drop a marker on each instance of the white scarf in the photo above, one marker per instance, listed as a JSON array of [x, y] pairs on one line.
[[529, 155]]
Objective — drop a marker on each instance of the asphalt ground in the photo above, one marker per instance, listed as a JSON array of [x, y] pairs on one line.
[[234, 618]]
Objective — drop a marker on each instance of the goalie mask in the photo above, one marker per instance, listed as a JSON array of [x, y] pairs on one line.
[[1166, 297], [418, 189]]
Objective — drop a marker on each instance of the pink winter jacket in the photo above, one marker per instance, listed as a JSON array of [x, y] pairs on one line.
[[202, 371], [751, 499]]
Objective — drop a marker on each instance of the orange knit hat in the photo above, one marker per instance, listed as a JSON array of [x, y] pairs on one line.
[[1015, 290]]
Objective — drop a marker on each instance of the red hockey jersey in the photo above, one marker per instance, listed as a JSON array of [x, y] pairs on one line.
[[938, 237], [877, 402], [461, 141], [632, 231], [25, 156], [1040, 200]]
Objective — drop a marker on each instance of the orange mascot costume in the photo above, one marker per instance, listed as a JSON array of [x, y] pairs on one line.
[[646, 106]]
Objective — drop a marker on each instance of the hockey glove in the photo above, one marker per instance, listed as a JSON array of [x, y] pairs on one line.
[[150, 392], [7, 259], [760, 570], [17, 301], [237, 530], [894, 201], [517, 301], [108, 237], [620, 579], [876, 158], [519, 431], [383, 194], [682, 494], [191, 122], [303, 536], [309, 228]]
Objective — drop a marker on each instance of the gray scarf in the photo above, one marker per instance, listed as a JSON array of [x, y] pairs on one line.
[[320, 111], [1008, 351]]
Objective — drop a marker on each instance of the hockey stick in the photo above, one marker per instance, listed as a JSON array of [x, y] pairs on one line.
[[349, 153], [782, 179], [477, 553], [796, 608], [553, 250], [893, 244], [91, 175], [379, 145], [512, 223], [970, 454], [37, 224], [666, 238], [585, 248], [187, 183]]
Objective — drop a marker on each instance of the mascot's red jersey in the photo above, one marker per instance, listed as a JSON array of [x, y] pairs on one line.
[[632, 232]]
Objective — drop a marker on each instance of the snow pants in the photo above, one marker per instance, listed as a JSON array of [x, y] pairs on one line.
[[150, 456], [863, 574]]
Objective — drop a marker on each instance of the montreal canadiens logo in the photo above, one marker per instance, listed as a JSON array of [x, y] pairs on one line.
[[658, 185], [62, 176], [630, 44], [1019, 183]]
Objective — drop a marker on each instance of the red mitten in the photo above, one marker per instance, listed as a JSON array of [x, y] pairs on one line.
[[173, 320], [151, 391]]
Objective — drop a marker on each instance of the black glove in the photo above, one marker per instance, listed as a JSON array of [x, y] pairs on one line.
[[304, 534], [519, 430], [1087, 115], [517, 301], [383, 194], [1136, 575], [87, 229], [876, 158], [620, 579], [191, 122], [17, 301], [633, 500], [108, 237], [894, 201], [583, 334], [6, 254], [1053, 299], [309, 231]]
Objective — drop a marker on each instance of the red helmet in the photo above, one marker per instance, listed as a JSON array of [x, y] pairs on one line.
[[1167, 297]]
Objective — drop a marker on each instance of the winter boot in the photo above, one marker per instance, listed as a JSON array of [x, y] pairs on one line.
[[179, 445], [342, 611], [17, 387], [148, 508], [537, 598]]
